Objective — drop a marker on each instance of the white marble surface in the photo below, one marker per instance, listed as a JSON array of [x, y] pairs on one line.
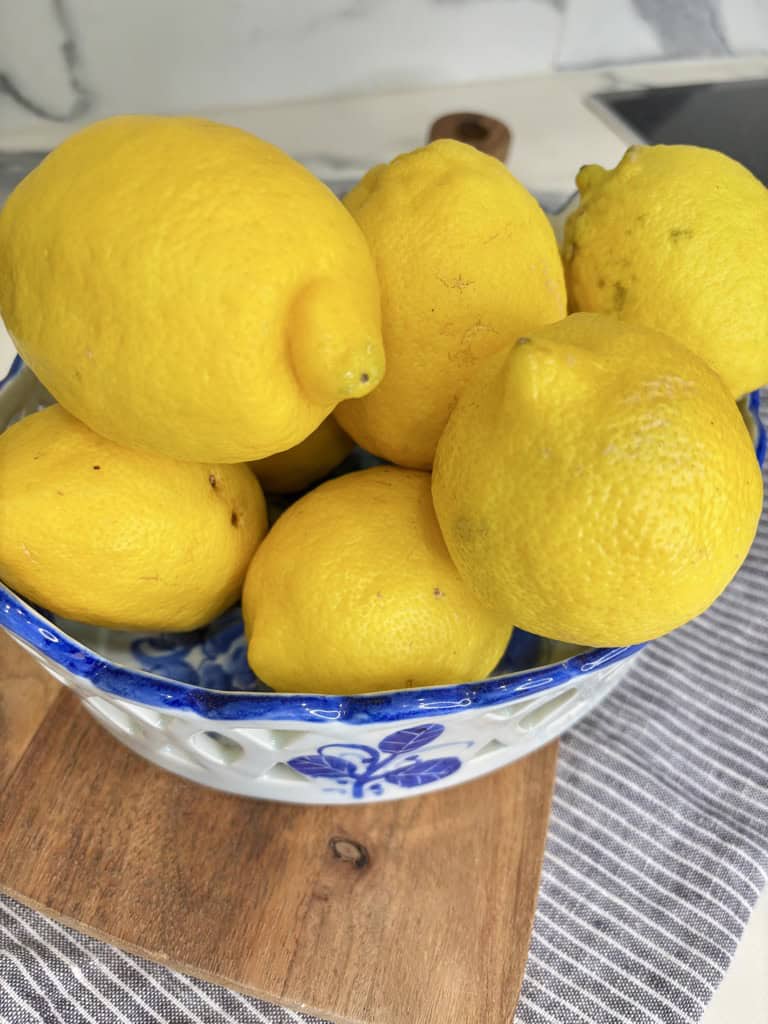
[[554, 130], [60, 57], [554, 134]]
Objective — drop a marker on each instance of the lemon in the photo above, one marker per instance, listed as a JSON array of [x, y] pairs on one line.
[[353, 591], [596, 483], [311, 460], [99, 533], [676, 238], [467, 261], [183, 287]]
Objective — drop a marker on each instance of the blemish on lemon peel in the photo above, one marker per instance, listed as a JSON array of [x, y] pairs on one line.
[[468, 530], [617, 386], [333, 625], [456, 282], [449, 228], [88, 561], [695, 213]]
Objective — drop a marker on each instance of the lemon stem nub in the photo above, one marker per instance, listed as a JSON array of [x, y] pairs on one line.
[[324, 337]]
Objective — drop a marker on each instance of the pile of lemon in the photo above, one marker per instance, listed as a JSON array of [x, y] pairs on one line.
[[211, 320]]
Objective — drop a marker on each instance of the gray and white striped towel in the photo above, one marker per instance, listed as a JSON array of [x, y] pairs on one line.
[[657, 852]]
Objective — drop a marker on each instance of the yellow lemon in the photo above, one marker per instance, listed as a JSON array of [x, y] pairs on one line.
[[597, 483], [353, 591], [467, 261], [676, 238], [102, 534], [311, 460], [183, 287]]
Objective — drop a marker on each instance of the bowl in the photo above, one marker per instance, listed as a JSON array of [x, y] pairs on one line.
[[189, 703]]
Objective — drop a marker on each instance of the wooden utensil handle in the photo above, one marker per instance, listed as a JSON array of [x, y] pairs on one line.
[[484, 133]]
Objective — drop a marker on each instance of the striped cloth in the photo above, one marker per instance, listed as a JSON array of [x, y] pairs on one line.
[[657, 852]]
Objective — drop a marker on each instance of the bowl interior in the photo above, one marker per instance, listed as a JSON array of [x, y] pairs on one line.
[[214, 658]]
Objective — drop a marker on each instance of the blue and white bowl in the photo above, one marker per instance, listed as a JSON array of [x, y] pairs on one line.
[[189, 702]]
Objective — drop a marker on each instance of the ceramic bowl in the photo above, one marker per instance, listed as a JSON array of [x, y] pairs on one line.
[[189, 702]]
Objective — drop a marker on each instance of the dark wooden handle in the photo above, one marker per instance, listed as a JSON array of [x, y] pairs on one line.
[[484, 133]]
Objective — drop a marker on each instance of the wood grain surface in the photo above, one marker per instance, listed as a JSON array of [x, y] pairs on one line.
[[484, 133], [412, 912], [26, 694]]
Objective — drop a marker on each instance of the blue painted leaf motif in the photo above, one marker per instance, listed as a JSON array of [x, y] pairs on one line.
[[223, 633], [215, 657], [162, 645], [323, 766], [421, 773], [213, 676], [178, 669], [410, 739], [243, 677], [166, 655]]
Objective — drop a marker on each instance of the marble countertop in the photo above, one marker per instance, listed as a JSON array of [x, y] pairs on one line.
[[555, 131]]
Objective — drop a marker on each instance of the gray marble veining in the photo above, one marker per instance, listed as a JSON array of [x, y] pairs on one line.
[[685, 28], [51, 25], [62, 58], [14, 167]]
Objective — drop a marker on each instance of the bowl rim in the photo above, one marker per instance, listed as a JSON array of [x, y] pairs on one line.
[[155, 691]]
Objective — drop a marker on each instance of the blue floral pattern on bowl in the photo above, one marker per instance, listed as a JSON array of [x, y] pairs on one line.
[[205, 672], [360, 770], [215, 657], [190, 703]]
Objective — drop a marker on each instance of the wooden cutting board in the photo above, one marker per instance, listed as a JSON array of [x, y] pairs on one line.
[[418, 910]]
